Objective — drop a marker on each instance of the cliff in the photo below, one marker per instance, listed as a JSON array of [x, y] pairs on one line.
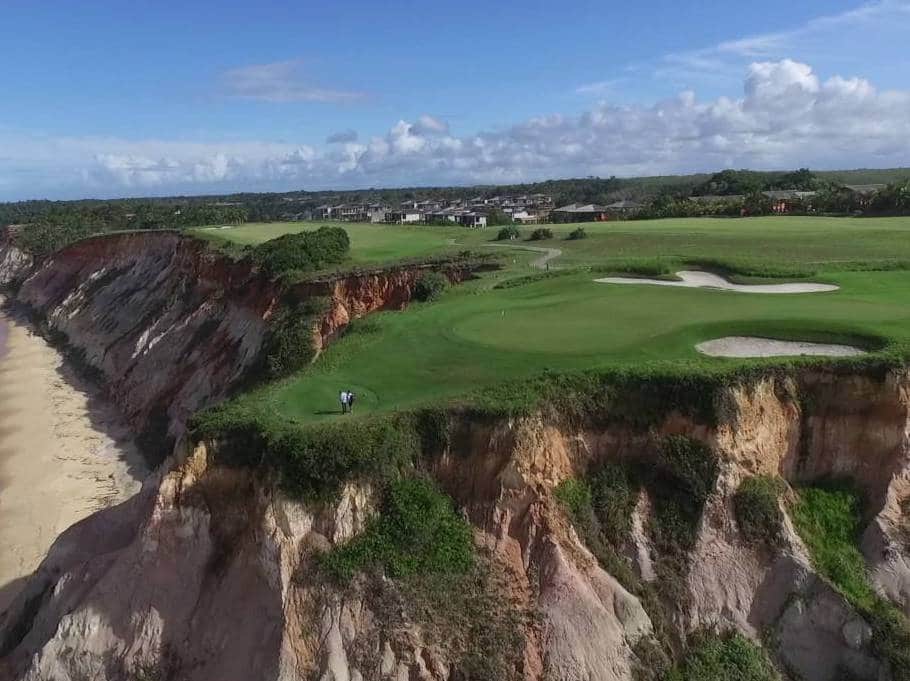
[[211, 571], [172, 325]]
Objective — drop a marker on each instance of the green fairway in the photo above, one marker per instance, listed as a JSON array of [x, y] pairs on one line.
[[370, 244], [478, 335], [829, 243]]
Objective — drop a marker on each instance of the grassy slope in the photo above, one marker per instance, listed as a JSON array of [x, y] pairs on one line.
[[476, 336]]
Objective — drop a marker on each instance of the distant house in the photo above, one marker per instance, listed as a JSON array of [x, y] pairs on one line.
[[865, 192], [403, 216], [471, 219], [624, 207], [323, 212], [377, 213], [574, 212], [525, 216], [784, 200]]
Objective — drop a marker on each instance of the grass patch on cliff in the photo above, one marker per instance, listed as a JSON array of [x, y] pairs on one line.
[[829, 520], [723, 657], [756, 505], [417, 531], [419, 566], [311, 462]]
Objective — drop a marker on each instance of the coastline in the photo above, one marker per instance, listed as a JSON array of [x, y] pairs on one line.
[[65, 452]]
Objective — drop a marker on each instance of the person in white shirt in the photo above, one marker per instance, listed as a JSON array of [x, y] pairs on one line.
[[343, 398]]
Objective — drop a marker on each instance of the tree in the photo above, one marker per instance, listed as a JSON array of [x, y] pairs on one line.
[[509, 233]]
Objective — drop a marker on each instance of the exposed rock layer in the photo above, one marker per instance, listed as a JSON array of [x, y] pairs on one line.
[[208, 573]]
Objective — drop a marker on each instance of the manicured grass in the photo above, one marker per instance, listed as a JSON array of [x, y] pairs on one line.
[[816, 242], [476, 336]]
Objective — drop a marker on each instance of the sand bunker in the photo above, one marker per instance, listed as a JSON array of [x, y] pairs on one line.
[[696, 279], [750, 346]]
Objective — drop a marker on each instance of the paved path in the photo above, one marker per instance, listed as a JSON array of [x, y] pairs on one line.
[[541, 262]]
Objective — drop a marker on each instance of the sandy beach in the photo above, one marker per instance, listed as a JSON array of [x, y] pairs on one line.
[[65, 452]]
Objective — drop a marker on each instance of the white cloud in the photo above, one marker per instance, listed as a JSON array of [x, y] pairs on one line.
[[430, 125], [786, 116], [820, 40], [283, 81]]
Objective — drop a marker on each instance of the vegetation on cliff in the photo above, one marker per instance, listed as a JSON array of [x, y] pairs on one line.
[[756, 504], [303, 252], [723, 657], [677, 478], [829, 520], [417, 531]]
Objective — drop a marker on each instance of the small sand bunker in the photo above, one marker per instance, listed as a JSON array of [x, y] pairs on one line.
[[696, 279], [750, 346]]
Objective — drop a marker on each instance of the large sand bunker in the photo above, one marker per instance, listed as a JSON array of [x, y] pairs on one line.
[[697, 279], [751, 346]]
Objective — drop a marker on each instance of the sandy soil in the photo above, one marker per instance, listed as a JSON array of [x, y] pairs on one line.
[[64, 453], [695, 279], [749, 346]]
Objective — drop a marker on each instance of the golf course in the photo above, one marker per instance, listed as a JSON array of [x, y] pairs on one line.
[[520, 321]]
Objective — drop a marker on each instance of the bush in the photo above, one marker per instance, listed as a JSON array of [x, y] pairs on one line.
[[303, 252], [757, 508], [290, 344], [723, 657], [679, 487], [576, 234], [430, 286], [541, 234], [417, 531], [508, 233]]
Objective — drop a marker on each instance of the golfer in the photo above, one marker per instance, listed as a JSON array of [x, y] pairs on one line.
[[344, 398]]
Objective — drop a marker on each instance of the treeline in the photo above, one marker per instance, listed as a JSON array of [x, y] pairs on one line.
[[744, 182], [47, 226], [741, 192]]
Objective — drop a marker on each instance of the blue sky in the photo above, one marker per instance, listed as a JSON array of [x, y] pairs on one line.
[[115, 99]]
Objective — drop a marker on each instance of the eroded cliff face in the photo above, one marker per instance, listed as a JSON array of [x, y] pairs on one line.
[[209, 573], [172, 325]]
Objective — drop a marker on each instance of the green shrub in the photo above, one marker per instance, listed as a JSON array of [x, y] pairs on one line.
[[575, 495], [430, 286], [614, 492], [679, 486], [417, 531], [291, 343], [508, 233], [541, 234], [756, 504], [577, 233], [302, 252], [725, 657]]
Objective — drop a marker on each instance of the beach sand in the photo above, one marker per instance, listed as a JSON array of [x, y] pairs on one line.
[[65, 452]]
